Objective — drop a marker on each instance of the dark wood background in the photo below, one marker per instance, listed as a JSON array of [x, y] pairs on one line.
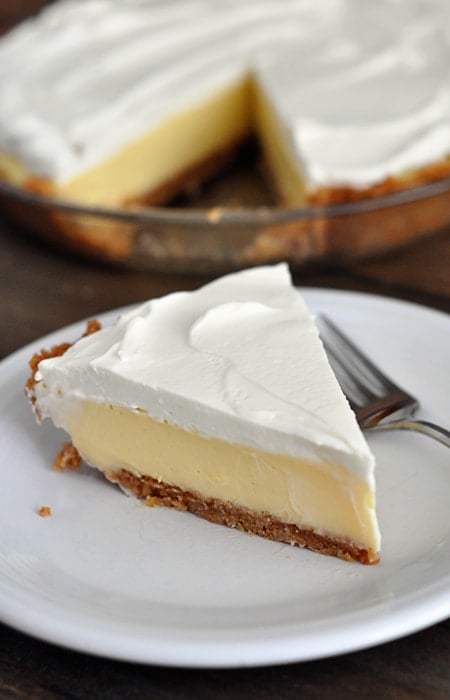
[[41, 289]]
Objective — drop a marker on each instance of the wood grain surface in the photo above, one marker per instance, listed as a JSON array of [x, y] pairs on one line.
[[42, 289]]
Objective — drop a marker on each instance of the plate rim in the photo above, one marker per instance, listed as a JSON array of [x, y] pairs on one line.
[[431, 603]]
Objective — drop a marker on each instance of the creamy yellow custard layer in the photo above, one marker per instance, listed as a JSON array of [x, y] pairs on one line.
[[283, 169], [314, 495], [161, 155]]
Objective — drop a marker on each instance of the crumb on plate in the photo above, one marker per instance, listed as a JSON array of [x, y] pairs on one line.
[[67, 458]]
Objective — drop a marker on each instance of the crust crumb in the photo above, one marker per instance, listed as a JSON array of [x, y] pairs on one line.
[[92, 326], [45, 511], [214, 214], [67, 458]]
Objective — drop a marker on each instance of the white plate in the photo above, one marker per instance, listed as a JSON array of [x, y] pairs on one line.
[[106, 575]]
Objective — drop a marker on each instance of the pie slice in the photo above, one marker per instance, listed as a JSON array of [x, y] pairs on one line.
[[221, 402]]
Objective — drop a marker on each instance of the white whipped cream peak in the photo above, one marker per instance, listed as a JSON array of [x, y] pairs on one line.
[[238, 359], [362, 87]]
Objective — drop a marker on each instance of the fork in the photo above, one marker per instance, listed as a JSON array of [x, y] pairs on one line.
[[378, 403]]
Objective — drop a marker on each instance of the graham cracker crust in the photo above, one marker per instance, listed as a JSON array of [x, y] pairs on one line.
[[425, 175], [160, 493], [194, 175]]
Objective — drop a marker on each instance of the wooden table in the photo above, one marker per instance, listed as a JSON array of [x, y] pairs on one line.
[[42, 289]]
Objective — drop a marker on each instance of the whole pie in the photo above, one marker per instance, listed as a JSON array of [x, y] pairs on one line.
[[117, 103]]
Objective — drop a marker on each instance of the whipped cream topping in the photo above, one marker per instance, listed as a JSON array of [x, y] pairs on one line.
[[366, 94], [362, 89], [239, 359]]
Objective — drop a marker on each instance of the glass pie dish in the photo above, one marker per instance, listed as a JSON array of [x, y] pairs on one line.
[[198, 235]]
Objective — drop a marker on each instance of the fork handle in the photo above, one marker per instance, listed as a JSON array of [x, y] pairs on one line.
[[421, 426]]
